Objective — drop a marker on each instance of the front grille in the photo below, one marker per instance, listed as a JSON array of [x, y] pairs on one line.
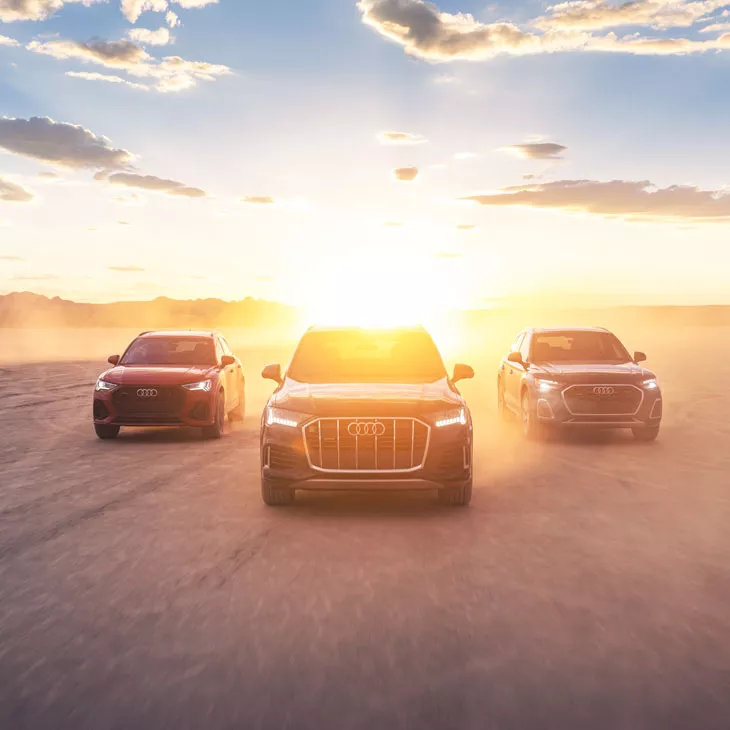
[[603, 400], [366, 444], [130, 400]]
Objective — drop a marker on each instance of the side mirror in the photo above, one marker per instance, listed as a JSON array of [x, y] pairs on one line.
[[515, 357], [114, 360], [228, 360], [462, 372], [639, 357], [272, 372]]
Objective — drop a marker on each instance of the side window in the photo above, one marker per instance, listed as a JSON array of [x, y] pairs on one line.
[[525, 348], [516, 344], [218, 349], [226, 350]]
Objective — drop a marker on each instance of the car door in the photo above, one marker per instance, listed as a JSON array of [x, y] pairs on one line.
[[236, 374], [512, 376], [225, 376]]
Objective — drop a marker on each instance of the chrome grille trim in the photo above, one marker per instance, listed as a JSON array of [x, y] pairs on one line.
[[602, 385], [394, 420]]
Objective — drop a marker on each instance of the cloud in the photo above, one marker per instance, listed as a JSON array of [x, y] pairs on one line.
[[716, 28], [11, 258], [171, 19], [108, 78], [187, 4], [119, 54], [600, 14], [48, 175], [447, 255], [159, 37], [633, 200], [406, 174], [465, 227], [537, 150], [12, 10], [259, 200], [428, 33], [127, 269], [132, 9], [59, 143], [424, 31], [12, 193], [171, 73], [400, 138], [5, 41], [157, 184]]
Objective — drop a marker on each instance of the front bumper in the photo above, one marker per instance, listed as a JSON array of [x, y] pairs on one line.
[[189, 408], [447, 463], [552, 409]]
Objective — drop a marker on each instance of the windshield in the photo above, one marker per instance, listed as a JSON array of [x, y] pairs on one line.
[[578, 346], [170, 351], [367, 356]]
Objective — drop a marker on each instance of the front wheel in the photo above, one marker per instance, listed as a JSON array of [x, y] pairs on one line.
[[456, 496], [216, 430], [646, 433], [106, 431], [276, 494], [531, 428]]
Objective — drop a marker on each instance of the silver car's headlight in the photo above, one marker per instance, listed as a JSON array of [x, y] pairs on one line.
[[105, 385], [204, 385], [650, 384], [281, 417], [547, 386], [451, 418]]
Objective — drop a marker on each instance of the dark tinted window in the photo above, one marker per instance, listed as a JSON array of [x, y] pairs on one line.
[[585, 346], [367, 356], [170, 351]]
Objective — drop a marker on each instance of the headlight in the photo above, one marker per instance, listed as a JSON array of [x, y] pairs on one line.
[[651, 384], [104, 385], [545, 386], [280, 417], [204, 385], [452, 418]]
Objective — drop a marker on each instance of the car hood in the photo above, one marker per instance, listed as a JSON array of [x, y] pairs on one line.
[[158, 375], [366, 399], [593, 373]]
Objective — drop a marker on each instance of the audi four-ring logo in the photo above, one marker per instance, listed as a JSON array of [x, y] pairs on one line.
[[147, 393], [604, 390], [372, 428]]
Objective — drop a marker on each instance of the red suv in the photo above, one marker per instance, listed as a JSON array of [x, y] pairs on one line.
[[171, 379]]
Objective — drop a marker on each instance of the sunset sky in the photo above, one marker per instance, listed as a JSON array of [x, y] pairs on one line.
[[460, 152]]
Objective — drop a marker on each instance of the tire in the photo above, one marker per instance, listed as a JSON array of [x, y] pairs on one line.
[[276, 494], [646, 433], [456, 496], [216, 430], [532, 430], [106, 431]]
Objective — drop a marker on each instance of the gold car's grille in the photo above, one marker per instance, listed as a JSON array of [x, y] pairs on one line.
[[373, 445]]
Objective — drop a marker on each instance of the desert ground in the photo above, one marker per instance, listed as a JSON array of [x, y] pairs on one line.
[[143, 583]]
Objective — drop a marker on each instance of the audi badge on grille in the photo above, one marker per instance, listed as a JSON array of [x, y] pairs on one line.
[[373, 428]]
